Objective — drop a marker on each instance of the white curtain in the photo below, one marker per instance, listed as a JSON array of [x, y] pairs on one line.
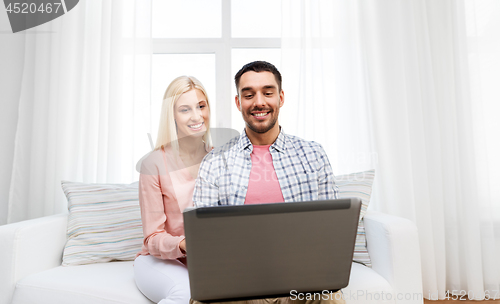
[[85, 94], [409, 88]]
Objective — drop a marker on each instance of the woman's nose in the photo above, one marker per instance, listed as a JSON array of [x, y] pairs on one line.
[[196, 114]]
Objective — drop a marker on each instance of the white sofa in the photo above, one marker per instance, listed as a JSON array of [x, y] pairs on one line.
[[31, 271]]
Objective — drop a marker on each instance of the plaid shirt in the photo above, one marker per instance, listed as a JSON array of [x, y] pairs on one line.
[[302, 167]]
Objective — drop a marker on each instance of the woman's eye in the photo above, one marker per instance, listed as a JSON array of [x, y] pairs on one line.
[[201, 107], [184, 110]]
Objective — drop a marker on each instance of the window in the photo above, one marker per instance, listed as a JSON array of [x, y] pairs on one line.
[[211, 40]]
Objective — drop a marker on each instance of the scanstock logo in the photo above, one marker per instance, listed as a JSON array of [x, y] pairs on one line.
[[25, 14]]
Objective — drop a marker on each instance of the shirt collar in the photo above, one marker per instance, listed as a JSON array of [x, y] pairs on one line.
[[278, 145], [244, 141]]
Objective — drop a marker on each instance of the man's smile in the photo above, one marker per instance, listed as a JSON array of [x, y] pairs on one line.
[[260, 114]]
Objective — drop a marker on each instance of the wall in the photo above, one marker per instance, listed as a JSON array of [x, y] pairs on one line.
[[11, 68]]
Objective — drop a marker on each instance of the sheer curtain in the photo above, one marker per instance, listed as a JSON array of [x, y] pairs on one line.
[[83, 110], [409, 88]]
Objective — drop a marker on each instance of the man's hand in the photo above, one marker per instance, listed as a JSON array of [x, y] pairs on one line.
[[182, 246]]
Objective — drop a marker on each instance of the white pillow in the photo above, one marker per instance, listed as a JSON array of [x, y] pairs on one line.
[[358, 185], [104, 223]]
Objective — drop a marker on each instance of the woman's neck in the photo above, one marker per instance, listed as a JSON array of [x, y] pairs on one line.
[[191, 147]]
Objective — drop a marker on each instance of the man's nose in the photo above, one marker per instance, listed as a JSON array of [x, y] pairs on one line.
[[259, 99]]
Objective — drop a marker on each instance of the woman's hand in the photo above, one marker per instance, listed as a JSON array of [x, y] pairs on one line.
[[182, 246]]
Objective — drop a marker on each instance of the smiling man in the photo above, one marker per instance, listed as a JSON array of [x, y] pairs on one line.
[[259, 100], [263, 164]]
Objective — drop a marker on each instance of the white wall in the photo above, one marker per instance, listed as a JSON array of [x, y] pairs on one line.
[[11, 68]]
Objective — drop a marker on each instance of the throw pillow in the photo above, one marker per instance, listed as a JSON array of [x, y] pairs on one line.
[[358, 185], [104, 223]]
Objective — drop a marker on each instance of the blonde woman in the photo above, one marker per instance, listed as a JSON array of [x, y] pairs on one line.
[[166, 186]]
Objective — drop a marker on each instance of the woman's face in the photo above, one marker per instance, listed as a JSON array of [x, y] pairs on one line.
[[191, 114]]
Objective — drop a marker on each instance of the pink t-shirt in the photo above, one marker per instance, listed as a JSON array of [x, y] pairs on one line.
[[263, 186]]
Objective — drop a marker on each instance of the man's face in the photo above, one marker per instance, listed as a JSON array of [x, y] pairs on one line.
[[259, 100]]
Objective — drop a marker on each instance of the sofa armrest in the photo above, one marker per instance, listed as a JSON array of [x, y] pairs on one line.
[[393, 245], [29, 247]]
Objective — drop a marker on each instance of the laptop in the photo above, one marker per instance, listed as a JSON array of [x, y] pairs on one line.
[[269, 250]]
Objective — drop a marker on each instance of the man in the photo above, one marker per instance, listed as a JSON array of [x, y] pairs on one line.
[[263, 164]]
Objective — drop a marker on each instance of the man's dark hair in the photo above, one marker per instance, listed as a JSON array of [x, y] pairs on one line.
[[258, 66]]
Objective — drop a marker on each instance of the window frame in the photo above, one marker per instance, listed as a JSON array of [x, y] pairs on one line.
[[222, 48]]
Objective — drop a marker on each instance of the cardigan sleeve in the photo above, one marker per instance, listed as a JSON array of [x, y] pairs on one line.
[[157, 240]]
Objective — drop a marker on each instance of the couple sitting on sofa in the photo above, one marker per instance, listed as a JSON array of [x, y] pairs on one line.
[[263, 164]]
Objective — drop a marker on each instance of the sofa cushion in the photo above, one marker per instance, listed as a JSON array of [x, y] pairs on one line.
[[94, 283], [104, 223], [358, 185], [367, 287], [107, 283]]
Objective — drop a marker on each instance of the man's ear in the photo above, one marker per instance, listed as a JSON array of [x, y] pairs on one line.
[[282, 98], [237, 102]]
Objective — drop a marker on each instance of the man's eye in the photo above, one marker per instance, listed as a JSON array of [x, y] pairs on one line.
[[248, 96], [269, 94]]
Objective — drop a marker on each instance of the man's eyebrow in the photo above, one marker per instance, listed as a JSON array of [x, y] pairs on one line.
[[246, 89], [266, 87]]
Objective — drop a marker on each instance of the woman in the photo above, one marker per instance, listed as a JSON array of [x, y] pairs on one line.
[[166, 187]]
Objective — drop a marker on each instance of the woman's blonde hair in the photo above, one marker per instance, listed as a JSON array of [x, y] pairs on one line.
[[167, 131]]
